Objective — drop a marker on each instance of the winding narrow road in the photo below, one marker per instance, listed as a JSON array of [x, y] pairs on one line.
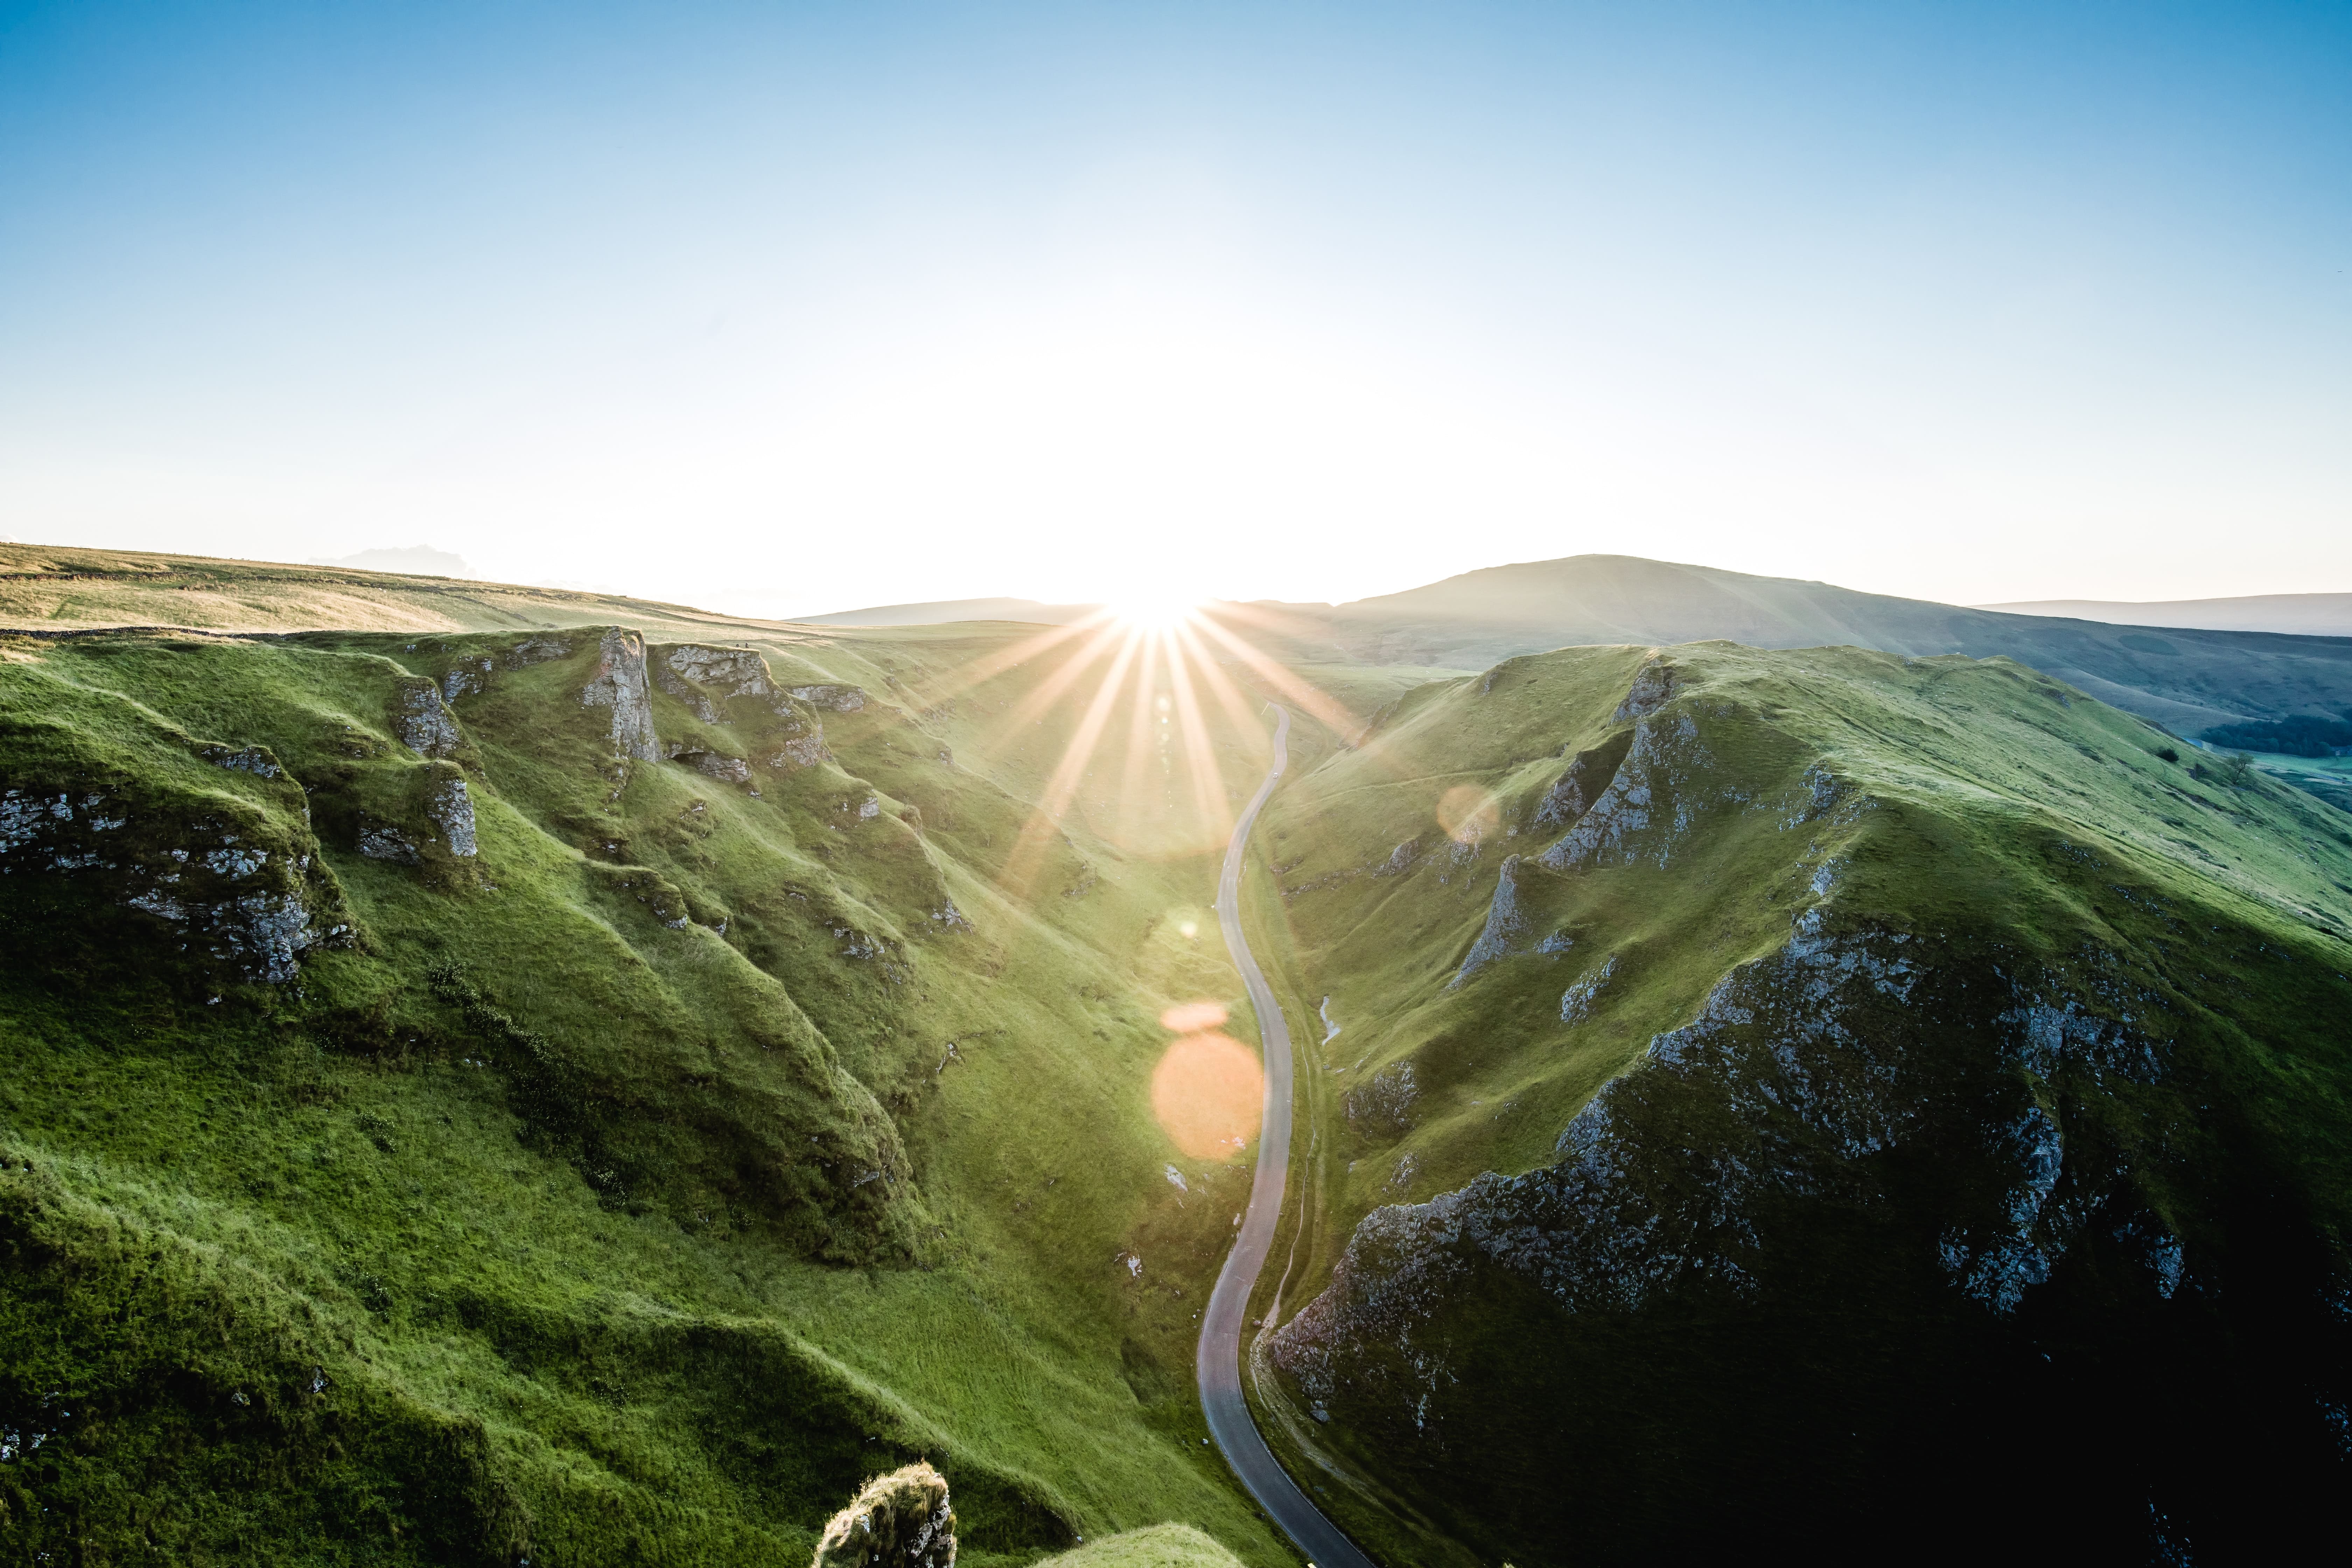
[[1218, 1363]]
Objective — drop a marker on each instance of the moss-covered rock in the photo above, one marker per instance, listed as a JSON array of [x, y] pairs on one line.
[[899, 1520]]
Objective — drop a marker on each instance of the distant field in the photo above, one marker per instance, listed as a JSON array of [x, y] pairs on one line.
[[47, 589], [2329, 778]]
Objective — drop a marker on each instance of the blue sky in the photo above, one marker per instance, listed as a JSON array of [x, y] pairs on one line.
[[784, 308]]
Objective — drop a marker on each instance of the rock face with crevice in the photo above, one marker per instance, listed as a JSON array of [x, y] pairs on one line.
[[1649, 693], [1826, 1057], [1656, 751], [733, 689], [1588, 773], [1505, 922], [703, 678]]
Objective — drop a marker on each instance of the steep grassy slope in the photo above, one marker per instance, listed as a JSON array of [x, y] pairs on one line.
[[2186, 680], [1818, 1100], [479, 1095]]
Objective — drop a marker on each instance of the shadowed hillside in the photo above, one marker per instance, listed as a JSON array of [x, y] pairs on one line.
[[1798, 1095]]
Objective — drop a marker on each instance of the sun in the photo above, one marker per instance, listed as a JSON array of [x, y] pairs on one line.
[[1152, 684], [1147, 609]]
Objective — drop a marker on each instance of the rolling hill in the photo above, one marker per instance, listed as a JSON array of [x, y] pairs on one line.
[[2187, 679], [946, 611]]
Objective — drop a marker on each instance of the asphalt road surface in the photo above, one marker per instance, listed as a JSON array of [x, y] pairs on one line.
[[1219, 1362]]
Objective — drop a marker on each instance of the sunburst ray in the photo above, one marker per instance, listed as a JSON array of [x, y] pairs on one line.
[[1029, 849], [1317, 704]]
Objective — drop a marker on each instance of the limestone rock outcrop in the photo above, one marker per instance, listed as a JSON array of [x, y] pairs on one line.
[[427, 726], [619, 684], [242, 908]]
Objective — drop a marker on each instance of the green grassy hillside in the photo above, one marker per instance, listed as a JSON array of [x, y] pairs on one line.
[[480, 1096], [1798, 1100], [596, 1089]]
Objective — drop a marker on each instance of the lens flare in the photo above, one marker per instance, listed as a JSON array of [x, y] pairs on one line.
[[1208, 1093], [1468, 814], [1192, 1017]]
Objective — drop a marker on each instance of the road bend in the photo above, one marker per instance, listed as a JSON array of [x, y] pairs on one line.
[[1219, 1360]]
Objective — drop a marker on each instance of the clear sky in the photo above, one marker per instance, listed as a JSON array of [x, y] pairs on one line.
[[786, 308]]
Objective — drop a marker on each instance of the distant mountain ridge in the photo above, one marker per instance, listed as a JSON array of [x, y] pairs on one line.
[[2189, 679], [2186, 678], [2301, 615], [2208, 676], [412, 560], [945, 612]]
